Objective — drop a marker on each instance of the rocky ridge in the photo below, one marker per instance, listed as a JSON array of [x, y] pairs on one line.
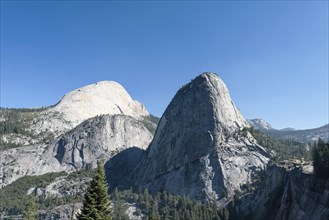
[[304, 136]]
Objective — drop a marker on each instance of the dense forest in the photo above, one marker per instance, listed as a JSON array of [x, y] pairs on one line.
[[160, 206]]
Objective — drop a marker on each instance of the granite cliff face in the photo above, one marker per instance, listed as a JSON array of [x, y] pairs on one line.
[[197, 149], [286, 193], [100, 137], [304, 197]]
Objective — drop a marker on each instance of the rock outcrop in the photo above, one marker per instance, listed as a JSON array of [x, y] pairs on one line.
[[96, 138], [285, 194], [197, 149], [101, 137], [304, 197], [260, 124]]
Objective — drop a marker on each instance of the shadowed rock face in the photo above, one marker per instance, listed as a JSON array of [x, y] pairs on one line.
[[197, 149], [124, 162], [286, 193]]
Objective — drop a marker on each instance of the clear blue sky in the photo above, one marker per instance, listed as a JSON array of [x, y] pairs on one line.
[[272, 55]]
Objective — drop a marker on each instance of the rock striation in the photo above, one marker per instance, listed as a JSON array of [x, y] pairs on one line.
[[101, 137], [304, 197], [197, 149], [97, 138], [286, 194]]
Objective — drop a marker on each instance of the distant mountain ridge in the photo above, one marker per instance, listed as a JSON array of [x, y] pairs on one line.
[[306, 135], [260, 124]]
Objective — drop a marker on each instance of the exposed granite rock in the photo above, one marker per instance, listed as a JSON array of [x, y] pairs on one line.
[[18, 162], [99, 137], [197, 149], [62, 187], [106, 97], [264, 201], [260, 124], [304, 197], [63, 212], [286, 194]]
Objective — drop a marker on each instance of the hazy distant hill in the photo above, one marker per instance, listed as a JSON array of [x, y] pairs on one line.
[[307, 135]]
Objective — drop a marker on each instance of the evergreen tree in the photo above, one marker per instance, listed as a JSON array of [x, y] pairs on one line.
[[320, 158], [30, 209], [96, 204], [154, 211], [226, 214]]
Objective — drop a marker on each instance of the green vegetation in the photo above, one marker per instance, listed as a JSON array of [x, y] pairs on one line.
[[13, 196], [320, 159], [96, 204], [150, 122], [31, 209], [81, 174], [164, 206], [17, 122], [160, 206], [284, 149]]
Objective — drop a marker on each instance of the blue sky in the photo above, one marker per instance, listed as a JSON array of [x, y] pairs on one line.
[[272, 55]]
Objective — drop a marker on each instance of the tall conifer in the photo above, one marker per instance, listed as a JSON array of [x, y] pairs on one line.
[[96, 204]]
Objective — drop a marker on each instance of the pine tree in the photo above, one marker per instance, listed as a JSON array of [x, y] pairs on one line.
[[320, 157], [96, 204], [226, 214], [154, 211], [30, 209]]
